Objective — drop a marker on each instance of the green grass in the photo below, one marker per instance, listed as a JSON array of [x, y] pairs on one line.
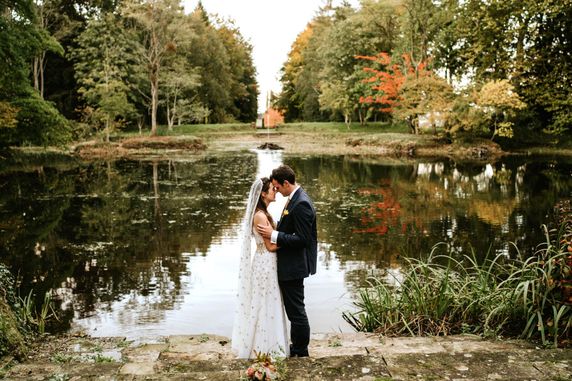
[[245, 128], [442, 295], [62, 358]]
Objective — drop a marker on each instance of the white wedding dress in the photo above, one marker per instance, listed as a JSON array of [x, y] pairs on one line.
[[260, 319]]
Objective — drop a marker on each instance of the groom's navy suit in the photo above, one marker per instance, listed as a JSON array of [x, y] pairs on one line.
[[297, 258]]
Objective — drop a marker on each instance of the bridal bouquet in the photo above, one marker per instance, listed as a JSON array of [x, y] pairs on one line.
[[262, 369]]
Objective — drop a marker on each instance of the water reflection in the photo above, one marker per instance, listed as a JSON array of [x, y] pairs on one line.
[[149, 248]]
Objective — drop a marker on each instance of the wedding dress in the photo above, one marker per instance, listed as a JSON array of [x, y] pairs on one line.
[[260, 320]]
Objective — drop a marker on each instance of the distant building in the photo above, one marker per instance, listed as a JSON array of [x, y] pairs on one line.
[[272, 118], [260, 121]]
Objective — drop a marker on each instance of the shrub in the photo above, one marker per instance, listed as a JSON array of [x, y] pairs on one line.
[[38, 122]]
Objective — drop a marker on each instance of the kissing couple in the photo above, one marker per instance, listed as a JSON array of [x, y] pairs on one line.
[[271, 276]]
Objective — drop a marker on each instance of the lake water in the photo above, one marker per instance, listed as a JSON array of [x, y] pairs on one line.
[[146, 249]]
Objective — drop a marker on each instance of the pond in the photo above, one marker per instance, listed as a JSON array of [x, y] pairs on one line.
[[144, 249]]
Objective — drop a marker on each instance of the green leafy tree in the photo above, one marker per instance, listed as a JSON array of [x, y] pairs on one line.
[[192, 111], [545, 80], [335, 97], [165, 31], [209, 55], [241, 71], [342, 75], [48, 19], [104, 58], [179, 79], [290, 100], [419, 25]]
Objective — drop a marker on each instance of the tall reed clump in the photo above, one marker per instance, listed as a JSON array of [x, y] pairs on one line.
[[442, 295]]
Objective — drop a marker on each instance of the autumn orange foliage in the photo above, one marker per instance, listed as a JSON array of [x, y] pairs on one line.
[[388, 83]]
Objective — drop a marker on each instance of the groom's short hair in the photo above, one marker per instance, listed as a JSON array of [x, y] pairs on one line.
[[283, 173]]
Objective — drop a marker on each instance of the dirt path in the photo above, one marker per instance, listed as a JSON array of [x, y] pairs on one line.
[[355, 356]]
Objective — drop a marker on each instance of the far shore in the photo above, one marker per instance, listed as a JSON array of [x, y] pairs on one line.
[[298, 139]]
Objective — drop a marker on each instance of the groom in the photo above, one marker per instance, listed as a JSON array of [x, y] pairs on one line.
[[296, 237]]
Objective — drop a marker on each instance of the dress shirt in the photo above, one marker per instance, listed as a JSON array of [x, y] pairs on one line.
[[274, 236]]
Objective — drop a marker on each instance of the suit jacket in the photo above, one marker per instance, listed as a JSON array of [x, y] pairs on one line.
[[297, 239]]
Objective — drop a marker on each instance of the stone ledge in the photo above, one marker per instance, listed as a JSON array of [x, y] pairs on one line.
[[342, 356]]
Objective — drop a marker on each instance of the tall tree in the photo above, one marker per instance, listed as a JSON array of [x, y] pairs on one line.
[[341, 77], [164, 29], [211, 58], [178, 81], [103, 62], [53, 26], [420, 23], [289, 100], [243, 87]]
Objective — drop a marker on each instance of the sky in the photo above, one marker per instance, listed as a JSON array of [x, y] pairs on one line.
[[271, 26]]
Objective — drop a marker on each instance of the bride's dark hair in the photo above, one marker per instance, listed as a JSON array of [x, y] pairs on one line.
[[266, 184]]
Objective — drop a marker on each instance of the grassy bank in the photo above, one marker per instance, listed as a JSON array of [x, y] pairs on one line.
[[441, 295], [325, 138]]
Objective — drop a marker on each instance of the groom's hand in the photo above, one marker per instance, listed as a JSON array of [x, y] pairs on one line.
[[264, 230]]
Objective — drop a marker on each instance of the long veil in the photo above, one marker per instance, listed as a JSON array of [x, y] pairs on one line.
[[241, 332]]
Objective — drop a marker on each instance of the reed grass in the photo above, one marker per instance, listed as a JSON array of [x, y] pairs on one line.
[[498, 296], [37, 317]]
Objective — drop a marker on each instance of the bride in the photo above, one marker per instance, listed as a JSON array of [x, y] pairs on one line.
[[260, 321]]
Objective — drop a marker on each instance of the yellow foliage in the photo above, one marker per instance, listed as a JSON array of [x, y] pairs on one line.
[[499, 95]]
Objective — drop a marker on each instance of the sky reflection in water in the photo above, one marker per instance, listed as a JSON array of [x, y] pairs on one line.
[[206, 304]]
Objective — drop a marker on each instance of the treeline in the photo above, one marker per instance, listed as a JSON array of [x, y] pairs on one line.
[[74, 68], [489, 67]]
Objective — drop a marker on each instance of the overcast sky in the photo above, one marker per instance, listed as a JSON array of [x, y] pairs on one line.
[[271, 26]]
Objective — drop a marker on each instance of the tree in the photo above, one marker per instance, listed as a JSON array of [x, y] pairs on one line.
[[179, 79], [335, 97], [341, 76], [425, 95], [192, 111], [386, 81], [407, 90], [289, 101], [419, 26], [35, 120], [445, 47], [545, 80], [48, 14], [209, 55], [104, 59], [241, 71], [499, 102], [165, 31]]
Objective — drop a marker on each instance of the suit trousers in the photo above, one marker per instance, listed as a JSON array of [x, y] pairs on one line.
[[293, 296]]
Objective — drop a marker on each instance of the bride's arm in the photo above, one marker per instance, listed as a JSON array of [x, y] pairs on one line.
[[261, 219]]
